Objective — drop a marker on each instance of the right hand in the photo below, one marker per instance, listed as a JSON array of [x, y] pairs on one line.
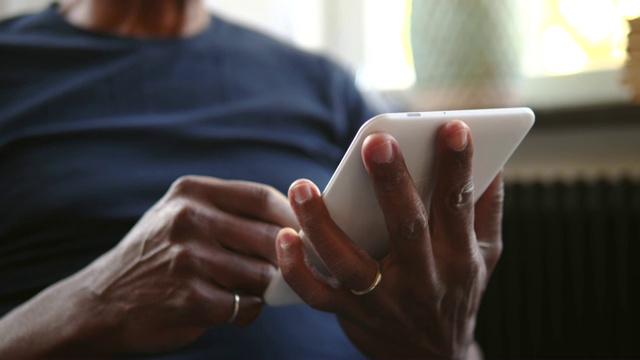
[[175, 274], [441, 256]]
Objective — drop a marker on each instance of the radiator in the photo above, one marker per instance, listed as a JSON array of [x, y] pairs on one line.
[[567, 283]]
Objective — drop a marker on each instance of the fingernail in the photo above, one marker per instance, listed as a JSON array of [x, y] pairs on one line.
[[458, 141], [286, 239], [383, 153], [302, 193]]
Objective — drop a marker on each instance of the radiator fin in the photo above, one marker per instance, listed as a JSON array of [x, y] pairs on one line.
[[567, 283]]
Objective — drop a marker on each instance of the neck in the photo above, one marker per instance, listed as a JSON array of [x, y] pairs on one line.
[[138, 18]]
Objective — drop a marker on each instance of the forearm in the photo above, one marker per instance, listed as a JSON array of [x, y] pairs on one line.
[[61, 320]]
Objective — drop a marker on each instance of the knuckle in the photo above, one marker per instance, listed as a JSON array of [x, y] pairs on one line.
[[497, 203], [492, 253], [497, 249], [186, 213], [477, 273], [266, 245], [265, 274], [462, 197], [469, 271], [411, 228], [269, 233], [186, 216], [183, 184], [193, 296], [262, 195], [181, 259]]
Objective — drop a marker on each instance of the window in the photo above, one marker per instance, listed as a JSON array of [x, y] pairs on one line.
[[570, 51], [576, 50], [14, 7], [574, 36]]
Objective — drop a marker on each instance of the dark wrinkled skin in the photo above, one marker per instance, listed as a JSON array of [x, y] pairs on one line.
[[440, 260]]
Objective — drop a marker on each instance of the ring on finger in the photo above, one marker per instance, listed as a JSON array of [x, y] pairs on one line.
[[374, 284], [236, 308]]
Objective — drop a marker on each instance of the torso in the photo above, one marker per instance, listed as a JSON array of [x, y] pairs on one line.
[[93, 130]]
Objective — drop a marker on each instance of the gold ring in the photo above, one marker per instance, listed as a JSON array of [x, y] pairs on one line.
[[373, 285], [236, 308]]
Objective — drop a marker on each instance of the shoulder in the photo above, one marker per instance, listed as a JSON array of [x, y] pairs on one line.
[[31, 25], [46, 32]]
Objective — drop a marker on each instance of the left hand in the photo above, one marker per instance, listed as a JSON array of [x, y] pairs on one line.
[[438, 267]]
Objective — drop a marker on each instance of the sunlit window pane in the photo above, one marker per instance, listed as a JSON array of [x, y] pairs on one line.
[[579, 35], [387, 48]]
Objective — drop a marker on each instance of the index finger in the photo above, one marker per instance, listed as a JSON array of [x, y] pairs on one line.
[[343, 258], [244, 198], [404, 213]]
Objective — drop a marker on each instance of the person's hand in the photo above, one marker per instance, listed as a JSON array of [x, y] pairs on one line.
[[440, 260], [177, 271]]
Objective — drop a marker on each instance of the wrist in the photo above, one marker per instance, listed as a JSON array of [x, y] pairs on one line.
[[61, 320], [89, 326]]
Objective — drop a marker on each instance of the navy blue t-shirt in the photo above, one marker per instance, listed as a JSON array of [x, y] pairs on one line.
[[94, 128]]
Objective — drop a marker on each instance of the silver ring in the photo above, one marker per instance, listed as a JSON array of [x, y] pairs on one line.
[[374, 284], [236, 308]]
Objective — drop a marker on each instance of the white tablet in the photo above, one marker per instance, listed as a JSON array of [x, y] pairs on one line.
[[349, 195]]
